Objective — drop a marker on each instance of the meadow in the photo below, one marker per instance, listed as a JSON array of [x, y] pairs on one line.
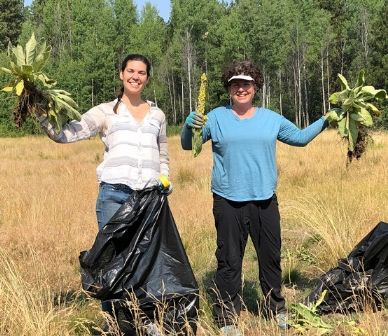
[[47, 216]]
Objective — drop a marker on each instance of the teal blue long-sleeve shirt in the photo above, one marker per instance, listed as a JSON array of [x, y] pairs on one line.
[[244, 150]]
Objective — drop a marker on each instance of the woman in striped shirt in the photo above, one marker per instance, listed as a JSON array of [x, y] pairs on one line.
[[134, 134]]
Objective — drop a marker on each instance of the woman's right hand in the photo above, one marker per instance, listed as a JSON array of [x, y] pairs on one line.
[[195, 120]]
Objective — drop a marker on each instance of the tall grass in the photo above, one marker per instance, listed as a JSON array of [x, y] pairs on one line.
[[47, 216]]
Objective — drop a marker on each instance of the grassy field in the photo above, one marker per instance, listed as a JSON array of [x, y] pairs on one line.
[[47, 216]]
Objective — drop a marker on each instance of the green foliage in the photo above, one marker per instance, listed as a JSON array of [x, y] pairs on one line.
[[34, 88], [11, 18], [173, 130], [125, 21], [378, 59], [149, 39], [305, 318], [298, 45], [355, 112]]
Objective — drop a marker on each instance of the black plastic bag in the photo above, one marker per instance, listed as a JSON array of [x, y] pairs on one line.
[[359, 280], [139, 255]]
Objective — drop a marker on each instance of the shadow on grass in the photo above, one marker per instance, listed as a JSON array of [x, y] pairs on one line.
[[86, 316], [71, 297], [250, 294], [294, 277]]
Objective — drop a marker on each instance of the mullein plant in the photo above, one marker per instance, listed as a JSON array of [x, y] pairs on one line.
[[34, 89], [197, 133], [353, 116], [305, 320]]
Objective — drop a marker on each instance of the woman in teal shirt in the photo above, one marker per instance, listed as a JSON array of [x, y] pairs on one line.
[[244, 179]]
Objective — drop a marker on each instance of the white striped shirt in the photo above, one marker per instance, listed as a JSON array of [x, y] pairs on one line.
[[136, 153]]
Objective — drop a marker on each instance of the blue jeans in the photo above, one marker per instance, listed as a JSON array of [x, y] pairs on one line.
[[109, 200]]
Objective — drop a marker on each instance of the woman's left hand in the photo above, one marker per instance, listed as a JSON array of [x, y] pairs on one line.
[[165, 185]]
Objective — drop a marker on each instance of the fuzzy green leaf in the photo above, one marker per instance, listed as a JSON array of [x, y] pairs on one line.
[[338, 97], [6, 70], [349, 102], [353, 134], [343, 130], [335, 98], [374, 109], [381, 94], [67, 99], [371, 91], [361, 78], [59, 92], [61, 119], [42, 55], [27, 69], [71, 112], [344, 82], [46, 81], [362, 116], [17, 70], [196, 142], [334, 115], [30, 49], [19, 54], [67, 108], [320, 299], [53, 119]]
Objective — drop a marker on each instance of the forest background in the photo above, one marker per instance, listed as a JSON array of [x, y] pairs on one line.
[[299, 45]]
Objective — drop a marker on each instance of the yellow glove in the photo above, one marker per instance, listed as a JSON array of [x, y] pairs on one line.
[[165, 185]]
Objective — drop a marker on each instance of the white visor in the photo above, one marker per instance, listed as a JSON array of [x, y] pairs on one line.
[[244, 77]]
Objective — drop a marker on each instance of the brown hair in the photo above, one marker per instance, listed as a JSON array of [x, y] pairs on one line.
[[242, 68], [131, 57]]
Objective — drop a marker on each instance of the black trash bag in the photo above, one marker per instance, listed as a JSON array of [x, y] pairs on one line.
[[138, 258], [358, 281]]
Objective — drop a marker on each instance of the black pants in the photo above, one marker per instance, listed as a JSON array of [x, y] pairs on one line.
[[234, 221]]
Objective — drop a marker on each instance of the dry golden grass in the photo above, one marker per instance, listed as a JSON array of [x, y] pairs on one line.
[[47, 201]]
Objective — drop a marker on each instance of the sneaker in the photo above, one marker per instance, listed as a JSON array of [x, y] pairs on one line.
[[282, 320], [152, 330], [230, 330]]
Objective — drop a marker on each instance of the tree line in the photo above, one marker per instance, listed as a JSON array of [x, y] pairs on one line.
[[299, 45]]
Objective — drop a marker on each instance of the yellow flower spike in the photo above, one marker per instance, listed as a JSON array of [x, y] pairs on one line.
[[197, 133]]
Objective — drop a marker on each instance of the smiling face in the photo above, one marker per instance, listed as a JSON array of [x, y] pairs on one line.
[[134, 77], [242, 92]]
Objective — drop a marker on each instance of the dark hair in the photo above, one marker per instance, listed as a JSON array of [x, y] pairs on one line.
[[242, 68], [131, 57], [136, 57]]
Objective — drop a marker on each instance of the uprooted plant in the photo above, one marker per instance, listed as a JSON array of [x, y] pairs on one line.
[[354, 114], [35, 90], [306, 319]]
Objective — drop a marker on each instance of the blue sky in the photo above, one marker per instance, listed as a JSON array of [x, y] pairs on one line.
[[163, 6]]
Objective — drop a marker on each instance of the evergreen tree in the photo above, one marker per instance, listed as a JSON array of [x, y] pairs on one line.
[[378, 68], [149, 39], [125, 21], [300, 46], [11, 18]]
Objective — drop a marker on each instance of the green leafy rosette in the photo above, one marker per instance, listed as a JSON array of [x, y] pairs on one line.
[[354, 114], [34, 89]]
